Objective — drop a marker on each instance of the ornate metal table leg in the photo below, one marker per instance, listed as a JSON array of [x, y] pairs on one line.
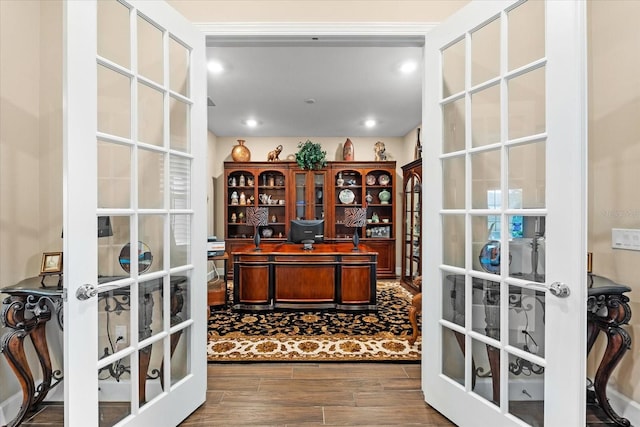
[[608, 310], [12, 346]]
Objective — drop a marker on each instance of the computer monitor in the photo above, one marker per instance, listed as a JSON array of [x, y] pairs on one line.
[[306, 231]]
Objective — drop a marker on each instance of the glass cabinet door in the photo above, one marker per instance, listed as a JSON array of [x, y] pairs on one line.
[[412, 242], [309, 194]]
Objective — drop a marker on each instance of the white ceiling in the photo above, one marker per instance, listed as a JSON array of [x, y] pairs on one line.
[[351, 80]]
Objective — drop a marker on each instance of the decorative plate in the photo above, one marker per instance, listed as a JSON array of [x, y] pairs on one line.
[[346, 196], [371, 179], [384, 180]]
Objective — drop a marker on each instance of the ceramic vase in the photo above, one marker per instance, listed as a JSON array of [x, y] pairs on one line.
[[240, 153], [384, 197], [347, 150]]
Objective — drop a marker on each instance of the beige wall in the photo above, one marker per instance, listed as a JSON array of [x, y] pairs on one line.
[[30, 149], [614, 160]]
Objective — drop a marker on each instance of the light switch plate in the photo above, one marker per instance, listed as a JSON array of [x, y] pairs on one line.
[[625, 238]]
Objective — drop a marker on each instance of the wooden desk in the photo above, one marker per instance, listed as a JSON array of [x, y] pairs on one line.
[[217, 288], [284, 275]]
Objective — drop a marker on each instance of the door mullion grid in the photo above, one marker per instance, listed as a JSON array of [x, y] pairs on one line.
[[468, 284], [134, 219], [166, 300], [504, 236]]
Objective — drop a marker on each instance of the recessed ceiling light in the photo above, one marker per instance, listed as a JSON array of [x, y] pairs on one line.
[[310, 101], [215, 67], [408, 67], [370, 123], [251, 123]]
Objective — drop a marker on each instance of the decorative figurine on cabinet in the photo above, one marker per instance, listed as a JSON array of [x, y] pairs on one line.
[[347, 150], [380, 151], [273, 156]]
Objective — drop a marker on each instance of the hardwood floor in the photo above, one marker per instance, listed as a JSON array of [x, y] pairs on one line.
[[310, 394], [283, 394]]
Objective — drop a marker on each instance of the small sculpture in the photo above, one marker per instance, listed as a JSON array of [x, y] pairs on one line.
[[273, 156], [380, 151]]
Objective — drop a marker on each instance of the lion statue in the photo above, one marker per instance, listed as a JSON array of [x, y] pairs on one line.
[[380, 151], [275, 154]]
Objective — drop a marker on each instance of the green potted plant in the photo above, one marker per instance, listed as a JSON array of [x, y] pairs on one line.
[[311, 156]]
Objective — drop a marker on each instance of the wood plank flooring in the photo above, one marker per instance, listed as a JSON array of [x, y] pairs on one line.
[[287, 394], [309, 394]]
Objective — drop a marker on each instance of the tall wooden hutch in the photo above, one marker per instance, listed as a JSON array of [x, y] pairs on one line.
[[289, 192], [412, 213]]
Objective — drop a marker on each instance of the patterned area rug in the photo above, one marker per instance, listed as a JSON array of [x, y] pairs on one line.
[[317, 335]]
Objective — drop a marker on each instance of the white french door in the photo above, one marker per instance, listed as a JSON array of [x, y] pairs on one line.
[[505, 191], [134, 214]]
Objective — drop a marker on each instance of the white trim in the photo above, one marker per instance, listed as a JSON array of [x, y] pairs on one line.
[[316, 28]]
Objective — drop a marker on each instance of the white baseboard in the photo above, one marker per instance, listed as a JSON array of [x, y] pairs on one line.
[[9, 408], [624, 407]]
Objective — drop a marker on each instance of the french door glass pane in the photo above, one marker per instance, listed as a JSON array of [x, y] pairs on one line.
[[526, 34], [180, 343], [453, 353], [453, 64], [485, 177], [453, 177], [151, 247], [527, 319], [453, 291], [114, 175], [180, 239], [150, 51], [178, 67], [150, 115], [150, 179], [114, 102], [114, 45], [453, 244], [527, 105], [485, 53], [527, 172], [487, 370], [526, 391], [453, 133], [178, 124], [485, 116], [485, 318], [110, 249], [114, 395]]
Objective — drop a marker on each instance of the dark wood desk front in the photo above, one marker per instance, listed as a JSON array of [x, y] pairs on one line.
[[284, 275]]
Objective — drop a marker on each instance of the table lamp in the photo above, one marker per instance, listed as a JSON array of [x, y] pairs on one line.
[[355, 218], [257, 217]]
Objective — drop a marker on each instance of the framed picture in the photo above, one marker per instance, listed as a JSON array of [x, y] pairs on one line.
[[51, 263]]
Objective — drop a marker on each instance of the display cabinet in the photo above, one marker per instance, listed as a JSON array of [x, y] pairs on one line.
[[289, 192], [368, 185], [412, 213]]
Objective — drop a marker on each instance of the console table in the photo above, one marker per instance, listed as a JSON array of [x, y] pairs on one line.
[[30, 305], [607, 311], [25, 313], [284, 275]]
